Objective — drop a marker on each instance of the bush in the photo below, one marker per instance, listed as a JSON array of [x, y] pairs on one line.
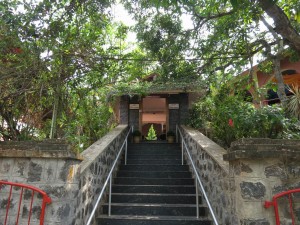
[[291, 128], [201, 113], [151, 134], [231, 118]]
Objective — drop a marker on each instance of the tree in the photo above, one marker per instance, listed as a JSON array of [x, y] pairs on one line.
[[60, 60], [226, 35], [285, 17], [57, 61]]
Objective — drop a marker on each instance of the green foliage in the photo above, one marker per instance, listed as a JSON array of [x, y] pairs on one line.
[[143, 87], [266, 67], [230, 118], [52, 63], [151, 134], [294, 102], [291, 128], [90, 120], [200, 113], [61, 60], [224, 35], [230, 108]]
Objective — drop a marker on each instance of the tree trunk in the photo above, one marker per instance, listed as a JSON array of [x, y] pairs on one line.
[[13, 132], [282, 23], [56, 108], [280, 83], [54, 118], [257, 96]]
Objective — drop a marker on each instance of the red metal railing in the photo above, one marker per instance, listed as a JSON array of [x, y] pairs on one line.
[[274, 203], [15, 189]]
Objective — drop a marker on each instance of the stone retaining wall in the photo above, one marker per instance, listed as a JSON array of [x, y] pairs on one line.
[[252, 171], [94, 169], [261, 168], [214, 172], [72, 183]]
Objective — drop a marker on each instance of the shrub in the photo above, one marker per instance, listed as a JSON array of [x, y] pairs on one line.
[[231, 118], [151, 134], [201, 113], [294, 102]]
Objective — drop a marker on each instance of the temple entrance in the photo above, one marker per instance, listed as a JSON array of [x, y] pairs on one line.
[[154, 111]]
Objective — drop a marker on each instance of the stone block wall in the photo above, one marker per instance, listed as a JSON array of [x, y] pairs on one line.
[[98, 159], [261, 168], [124, 109], [73, 184], [237, 181], [214, 173], [134, 114], [184, 108], [240, 180], [178, 116]]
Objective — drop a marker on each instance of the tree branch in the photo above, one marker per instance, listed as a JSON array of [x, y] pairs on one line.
[[211, 17], [282, 23]]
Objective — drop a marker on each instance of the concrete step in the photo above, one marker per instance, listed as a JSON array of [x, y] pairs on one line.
[[154, 152], [153, 181], [148, 145], [154, 189], [154, 161], [155, 198], [154, 174], [163, 189], [154, 209], [154, 157], [149, 220], [139, 167]]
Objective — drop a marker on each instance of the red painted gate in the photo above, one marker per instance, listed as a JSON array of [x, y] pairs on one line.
[[289, 195], [17, 198]]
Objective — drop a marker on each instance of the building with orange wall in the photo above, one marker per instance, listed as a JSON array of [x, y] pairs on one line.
[[291, 76]]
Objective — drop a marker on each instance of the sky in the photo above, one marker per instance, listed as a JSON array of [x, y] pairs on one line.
[[121, 15]]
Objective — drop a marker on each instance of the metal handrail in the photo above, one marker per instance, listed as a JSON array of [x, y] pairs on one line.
[[109, 179], [183, 144]]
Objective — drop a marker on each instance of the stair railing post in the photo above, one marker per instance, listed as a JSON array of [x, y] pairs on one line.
[[126, 143], [197, 198], [176, 133], [182, 151], [109, 200]]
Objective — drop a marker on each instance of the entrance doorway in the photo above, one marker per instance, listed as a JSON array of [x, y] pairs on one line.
[[154, 111]]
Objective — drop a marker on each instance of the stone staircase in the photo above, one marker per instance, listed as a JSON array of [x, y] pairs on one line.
[[154, 189]]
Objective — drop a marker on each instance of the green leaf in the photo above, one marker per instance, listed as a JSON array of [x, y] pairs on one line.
[[234, 3], [297, 16]]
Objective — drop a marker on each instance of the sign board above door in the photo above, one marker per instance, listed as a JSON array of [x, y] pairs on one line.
[[174, 106], [134, 106]]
